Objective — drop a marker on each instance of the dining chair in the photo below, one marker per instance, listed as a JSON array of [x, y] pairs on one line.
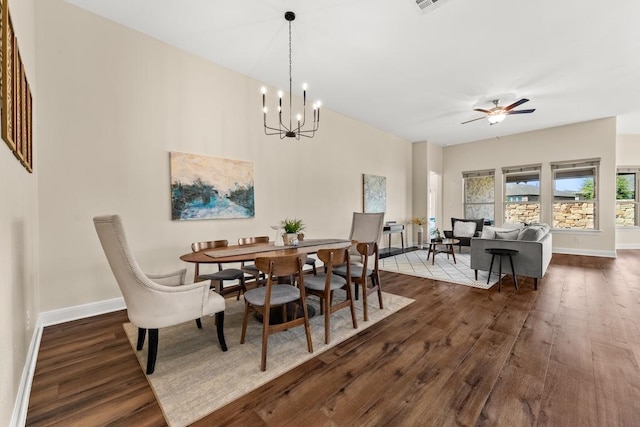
[[223, 273], [362, 274], [365, 227], [275, 295], [155, 301], [251, 269], [324, 285]]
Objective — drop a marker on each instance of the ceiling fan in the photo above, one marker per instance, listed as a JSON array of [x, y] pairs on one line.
[[498, 113]]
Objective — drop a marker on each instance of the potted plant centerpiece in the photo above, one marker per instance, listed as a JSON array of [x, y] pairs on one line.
[[292, 227], [420, 222]]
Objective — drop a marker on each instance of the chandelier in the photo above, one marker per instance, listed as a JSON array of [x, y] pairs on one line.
[[292, 130]]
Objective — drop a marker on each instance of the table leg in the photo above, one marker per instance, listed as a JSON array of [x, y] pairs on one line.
[[500, 275], [515, 278], [453, 253], [402, 240], [490, 268]]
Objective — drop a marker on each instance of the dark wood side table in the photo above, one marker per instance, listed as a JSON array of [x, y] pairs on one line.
[[448, 248], [501, 252]]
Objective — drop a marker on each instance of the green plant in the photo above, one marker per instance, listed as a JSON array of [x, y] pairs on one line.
[[293, 225]]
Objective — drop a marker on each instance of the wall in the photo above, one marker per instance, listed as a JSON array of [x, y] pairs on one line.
[[118, 102], [591, 139], [628, 154], [18, 236], [420, 196]]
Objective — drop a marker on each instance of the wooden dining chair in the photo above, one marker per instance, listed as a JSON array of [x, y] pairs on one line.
[[275, 295], [363, 275], [323, 286], [250, 268], [223, 273]]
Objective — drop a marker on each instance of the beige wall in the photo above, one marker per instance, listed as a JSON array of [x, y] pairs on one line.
[[18, 236], [118, 102], [420, 165], [572, 142], [628, 154]]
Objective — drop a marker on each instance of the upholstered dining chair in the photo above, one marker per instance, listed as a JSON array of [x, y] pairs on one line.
[[274, 295], [250, 268], [362, 274], [223, 273], [159, 300], [366, 227], [324, 285]]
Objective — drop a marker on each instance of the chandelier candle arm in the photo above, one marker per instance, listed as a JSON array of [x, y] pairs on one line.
[[301, 119]]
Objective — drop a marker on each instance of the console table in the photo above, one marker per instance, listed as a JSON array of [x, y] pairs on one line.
[[389, 229]]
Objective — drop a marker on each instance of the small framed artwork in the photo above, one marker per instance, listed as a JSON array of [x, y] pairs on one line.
[[374, 192], [17, 104], [7, 78]]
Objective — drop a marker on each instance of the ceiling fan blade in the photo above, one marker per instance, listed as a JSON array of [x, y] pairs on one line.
[[473, 120], [481, 110], [521, 111], [515, 104]]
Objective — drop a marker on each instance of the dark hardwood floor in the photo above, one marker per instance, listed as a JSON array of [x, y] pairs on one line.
[[567, 354]]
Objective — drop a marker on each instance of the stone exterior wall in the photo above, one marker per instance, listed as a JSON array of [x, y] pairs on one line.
[[522, 212], [625, 214], [573, 215]]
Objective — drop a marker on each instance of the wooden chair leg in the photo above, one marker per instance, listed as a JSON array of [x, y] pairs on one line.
[[153, 351], [364, 300], [376, 280], [327, 318], [220, 330], [244, 322], [352, 306], [142, 332], [265, 338]]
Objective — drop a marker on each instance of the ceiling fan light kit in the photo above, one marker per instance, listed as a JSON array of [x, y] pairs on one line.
[[497, 114], [291, 131]]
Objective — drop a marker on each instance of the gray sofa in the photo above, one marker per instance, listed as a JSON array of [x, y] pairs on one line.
[[534, 251]]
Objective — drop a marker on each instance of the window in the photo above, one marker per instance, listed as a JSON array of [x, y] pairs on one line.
[[627, 199], [479, 194], [575, 194], [522, 193]]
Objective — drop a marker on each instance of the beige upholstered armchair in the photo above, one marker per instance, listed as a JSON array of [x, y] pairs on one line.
[[155, 301]]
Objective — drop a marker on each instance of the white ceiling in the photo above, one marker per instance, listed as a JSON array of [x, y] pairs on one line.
[[419, 75]]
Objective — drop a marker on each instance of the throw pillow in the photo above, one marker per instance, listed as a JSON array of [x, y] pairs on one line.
[[464, 229], [532, 233], [507, 235], [488, 232]]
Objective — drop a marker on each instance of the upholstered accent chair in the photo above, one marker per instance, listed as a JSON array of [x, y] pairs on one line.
[[275, 295], [366, 227], [155, 301], [464, 230], [323, 286]]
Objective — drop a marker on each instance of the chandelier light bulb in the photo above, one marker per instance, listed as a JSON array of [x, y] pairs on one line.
[[304, 86], [299, 117], [280, 94], [263, 90], [265, 109]]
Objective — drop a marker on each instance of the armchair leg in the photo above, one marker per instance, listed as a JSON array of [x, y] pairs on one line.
[[220, 329], [153, 351], [141, 335], [198, 323]]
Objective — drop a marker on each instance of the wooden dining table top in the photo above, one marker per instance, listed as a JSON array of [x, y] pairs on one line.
[[240, 253]]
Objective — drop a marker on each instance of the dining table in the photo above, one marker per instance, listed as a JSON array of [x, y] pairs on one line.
[[245, 253]]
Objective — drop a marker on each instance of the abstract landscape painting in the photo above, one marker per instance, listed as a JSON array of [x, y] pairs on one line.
[[205, 187]]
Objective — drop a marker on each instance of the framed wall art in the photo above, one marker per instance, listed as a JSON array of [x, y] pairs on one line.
[[374, 192], [17, 101], [205, 187]]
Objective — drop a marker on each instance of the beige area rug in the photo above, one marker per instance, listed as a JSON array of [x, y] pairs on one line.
[[193, 377], [415, 263]]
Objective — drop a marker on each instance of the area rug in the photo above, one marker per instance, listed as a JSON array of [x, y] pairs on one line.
[[416, 264], [193, 377]]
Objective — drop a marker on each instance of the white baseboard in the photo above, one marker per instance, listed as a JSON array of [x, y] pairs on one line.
[[48, 318], [586, 252], [68, 314], [19, 417], [628, 246]]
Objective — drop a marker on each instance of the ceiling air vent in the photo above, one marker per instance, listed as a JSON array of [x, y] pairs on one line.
[[427, 5]]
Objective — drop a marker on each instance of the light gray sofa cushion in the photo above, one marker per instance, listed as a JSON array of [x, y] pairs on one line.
[[507, 235]]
